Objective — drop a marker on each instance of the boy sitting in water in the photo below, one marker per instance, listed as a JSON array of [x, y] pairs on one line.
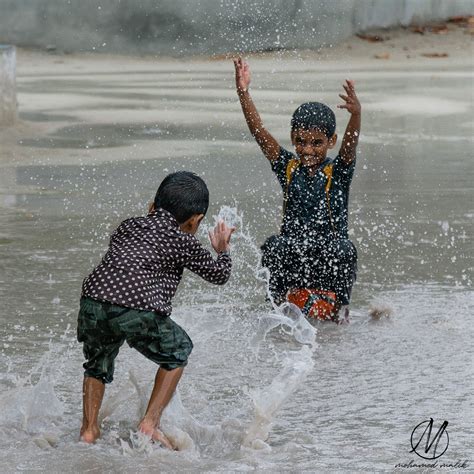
[[127, 297], [313, 250]]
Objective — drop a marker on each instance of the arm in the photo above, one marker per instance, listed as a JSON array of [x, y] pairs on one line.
[[266, 142], [351, 135], [200, 261]]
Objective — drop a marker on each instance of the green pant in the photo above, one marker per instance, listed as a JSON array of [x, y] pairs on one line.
[[104, 327]]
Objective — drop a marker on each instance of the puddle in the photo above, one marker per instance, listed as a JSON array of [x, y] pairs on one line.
[[115, 135]]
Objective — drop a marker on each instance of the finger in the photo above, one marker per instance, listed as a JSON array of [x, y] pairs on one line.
[[350, 83], [349, 91], [344, 97], [231, 231], [343, 106]]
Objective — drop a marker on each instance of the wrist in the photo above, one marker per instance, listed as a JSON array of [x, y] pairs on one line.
[[241, 91], [223, 252]]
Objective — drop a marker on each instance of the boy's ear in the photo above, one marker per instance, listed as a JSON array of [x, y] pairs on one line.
[[197, 219], [151, 207], [332, 141], [293, 137], [191, 225]]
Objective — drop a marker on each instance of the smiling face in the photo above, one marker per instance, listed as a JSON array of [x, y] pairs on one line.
[[312, 146]]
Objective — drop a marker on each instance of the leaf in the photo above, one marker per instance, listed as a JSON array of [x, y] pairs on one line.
[[435, 55], [371, 38], [418, 29]]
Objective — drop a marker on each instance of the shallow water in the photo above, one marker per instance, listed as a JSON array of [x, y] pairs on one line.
[[261, 391]]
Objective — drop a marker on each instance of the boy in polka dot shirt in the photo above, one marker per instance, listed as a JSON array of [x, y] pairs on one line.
[[127, 297]]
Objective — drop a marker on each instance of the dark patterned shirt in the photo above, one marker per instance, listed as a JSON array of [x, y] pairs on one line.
[[144, 264], [307, 213]]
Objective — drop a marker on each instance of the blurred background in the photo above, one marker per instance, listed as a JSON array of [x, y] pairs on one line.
[[184, 27]]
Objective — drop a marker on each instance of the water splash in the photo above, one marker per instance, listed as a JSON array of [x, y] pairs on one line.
[[268, 400], [31, 408], [295, 364], [36, 407]]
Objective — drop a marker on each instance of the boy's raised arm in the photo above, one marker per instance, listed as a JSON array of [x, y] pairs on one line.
[[269, 146], [351, 135]]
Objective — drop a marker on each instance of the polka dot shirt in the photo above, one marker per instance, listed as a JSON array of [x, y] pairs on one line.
[[145, 261]]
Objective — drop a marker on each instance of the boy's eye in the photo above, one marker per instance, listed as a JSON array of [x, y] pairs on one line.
[[316, 143]]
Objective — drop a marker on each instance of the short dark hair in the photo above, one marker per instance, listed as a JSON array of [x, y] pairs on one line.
[[183, 194], [312, 115]]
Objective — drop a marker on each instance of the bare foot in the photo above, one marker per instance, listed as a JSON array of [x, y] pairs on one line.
[[160, 437], [90, 435], [156, 435]]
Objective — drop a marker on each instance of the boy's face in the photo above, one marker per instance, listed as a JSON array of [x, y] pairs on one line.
[[312, 146]]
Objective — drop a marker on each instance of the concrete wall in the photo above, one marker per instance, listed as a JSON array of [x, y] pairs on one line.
[[180, 27], [8, 105]]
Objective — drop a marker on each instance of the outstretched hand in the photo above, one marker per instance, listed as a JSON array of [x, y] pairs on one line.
[[351, 102], [220, 237], [242, 75]]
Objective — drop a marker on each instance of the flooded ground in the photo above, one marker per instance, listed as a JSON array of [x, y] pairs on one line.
[[262, 391]]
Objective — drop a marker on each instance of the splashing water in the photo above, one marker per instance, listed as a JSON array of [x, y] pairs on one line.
[[288, 318], [231, 217], [281, 332]]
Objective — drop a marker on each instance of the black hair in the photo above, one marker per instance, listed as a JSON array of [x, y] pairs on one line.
[[183, 194], [312, 115]]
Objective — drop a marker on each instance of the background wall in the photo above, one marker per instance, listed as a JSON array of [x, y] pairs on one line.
[[179, 27]]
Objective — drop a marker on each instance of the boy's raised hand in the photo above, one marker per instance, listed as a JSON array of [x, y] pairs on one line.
[[242, 75], [220, 237], [352, 104]]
